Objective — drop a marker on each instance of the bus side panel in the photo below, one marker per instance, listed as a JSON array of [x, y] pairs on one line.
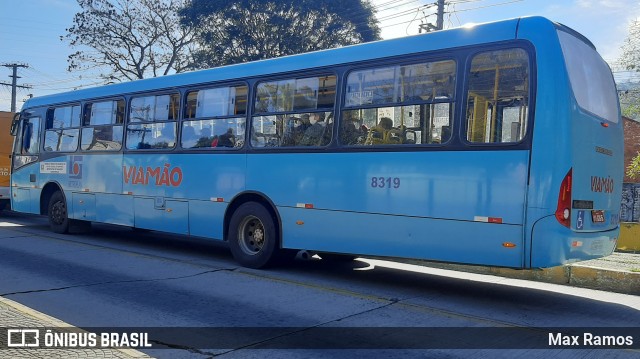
[[202, 214], [195, 193], [165, 215], [25, 194], [555, 245], [114, 208], [459, 185], [22, 200], [431, 204], [84, 206], [93, 173], [400, 236]]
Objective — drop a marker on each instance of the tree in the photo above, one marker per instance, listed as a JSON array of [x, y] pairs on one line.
[[630, 99], [130, 39], [630, 102], [631, 48], [231, 32], [630, 60]]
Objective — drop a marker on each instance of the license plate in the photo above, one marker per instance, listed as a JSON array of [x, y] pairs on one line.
[[597, 216]]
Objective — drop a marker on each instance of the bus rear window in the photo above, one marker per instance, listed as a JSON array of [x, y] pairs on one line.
[[590, 78]]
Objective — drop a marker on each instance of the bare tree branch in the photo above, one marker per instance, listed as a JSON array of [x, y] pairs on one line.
[[130, 39]]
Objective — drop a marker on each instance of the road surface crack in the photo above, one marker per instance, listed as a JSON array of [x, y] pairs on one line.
[[115, 282]]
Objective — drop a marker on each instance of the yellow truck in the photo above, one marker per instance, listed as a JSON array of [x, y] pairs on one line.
[[6, 142]]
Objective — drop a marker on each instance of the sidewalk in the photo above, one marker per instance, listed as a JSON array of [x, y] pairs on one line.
[[16, 315], [619, 272]]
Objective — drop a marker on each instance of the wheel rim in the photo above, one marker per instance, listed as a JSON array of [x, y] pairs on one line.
[[58, 212], [251, 235]]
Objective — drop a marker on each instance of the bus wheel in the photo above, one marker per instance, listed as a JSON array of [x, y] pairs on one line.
[[253, 236], [58, 215]]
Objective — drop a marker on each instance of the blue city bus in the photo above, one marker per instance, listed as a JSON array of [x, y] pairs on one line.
[[496, 144]]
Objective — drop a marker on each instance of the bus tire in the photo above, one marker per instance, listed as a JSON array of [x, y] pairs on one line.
[[253, 237], [58, 214]]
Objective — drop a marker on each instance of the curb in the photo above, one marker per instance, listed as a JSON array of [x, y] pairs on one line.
[[43, 320], [605, 279], [624, 282]]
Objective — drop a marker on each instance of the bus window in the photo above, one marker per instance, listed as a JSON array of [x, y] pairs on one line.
[[30, 144], [292, 130], [590, 78], [291, 112], [497, 101], [152, 122], [26, 145], [62, 129], [103, 126], [311, 93], [407, 104], [214, 118]]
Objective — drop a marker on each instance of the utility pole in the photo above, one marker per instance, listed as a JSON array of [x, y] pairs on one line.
[[14, 83], [440, 20], [428, 27]]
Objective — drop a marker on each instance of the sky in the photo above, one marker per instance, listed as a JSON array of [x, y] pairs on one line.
[[31, 31]]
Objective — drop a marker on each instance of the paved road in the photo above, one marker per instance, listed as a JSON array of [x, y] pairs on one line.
[[116, 277]]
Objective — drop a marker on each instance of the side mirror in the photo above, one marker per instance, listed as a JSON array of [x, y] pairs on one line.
[[14, 124]]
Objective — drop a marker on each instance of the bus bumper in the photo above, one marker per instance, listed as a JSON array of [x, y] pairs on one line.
[[553, 244]]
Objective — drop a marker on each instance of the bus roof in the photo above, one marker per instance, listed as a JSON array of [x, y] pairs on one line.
[[458, 37]]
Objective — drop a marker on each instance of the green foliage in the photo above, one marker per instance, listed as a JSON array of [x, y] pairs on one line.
[[129, 39], [238, 31], [631, 110], [630, 100], [633, 170]]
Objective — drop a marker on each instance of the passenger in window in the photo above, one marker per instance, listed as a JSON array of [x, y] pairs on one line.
[[385, 123], [379, 134], [205, 139], [301, 126], [189, 137], [296, 128], [289, 128], [206, 131], [167, 137], [314, 134], [352, 133], [227, 139]]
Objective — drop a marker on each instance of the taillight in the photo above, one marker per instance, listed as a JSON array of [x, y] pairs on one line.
[[563, 212]]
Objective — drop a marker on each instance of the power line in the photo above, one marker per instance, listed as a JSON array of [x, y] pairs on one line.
[[405, 12], [14, 82], [492, 5], [439, 19]]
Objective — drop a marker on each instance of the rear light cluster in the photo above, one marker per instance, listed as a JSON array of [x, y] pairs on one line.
[[563, 211]]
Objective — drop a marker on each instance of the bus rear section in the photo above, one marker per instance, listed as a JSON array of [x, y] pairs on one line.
[[585, 224], [6, 142]]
